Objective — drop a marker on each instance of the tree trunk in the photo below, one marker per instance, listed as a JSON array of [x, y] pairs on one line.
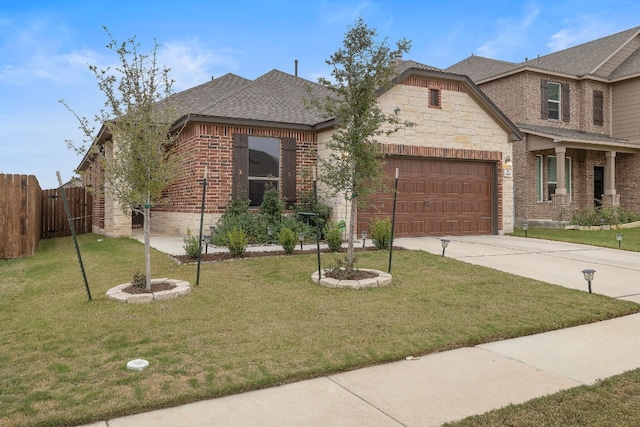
[[352, 228], [147, 246]]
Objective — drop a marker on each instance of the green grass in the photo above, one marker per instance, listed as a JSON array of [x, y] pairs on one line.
[[250, 324], [603, 238], [611, 402]]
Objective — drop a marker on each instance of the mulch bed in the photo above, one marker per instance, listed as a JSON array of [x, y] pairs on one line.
[[226, 256], [155, 287]]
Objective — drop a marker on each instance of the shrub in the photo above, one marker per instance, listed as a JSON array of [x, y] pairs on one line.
[[344, 270], [380, 230], [237, 242], [191, 245], [333, 237], [139, 280], [611, 216], [272, 205], [287, 239], [306, 203]]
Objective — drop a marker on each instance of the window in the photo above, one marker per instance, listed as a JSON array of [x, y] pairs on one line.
[[555, 103], [539, 193], [434, 98], [553, 99], [598, 103], [552, 181], [264, 167], [260, 161]]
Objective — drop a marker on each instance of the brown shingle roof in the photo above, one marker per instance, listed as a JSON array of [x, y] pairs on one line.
[[273, 97], [479, 68], [580, 60]]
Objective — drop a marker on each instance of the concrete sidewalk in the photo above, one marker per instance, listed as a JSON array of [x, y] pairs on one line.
[[447, 386]]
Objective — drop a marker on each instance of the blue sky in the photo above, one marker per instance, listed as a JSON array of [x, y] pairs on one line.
[[45, 49]]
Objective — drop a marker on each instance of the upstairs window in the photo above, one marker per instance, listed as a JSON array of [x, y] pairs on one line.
[[555, 103], [434, 98]]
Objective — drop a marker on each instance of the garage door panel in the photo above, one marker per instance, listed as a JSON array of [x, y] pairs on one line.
[[436, 197]]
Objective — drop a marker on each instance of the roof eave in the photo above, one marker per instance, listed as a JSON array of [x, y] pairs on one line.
[[184, 120]]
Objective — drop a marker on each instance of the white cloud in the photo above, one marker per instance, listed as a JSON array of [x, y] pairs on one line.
[[580, 30], [192, 64], [512, 33]]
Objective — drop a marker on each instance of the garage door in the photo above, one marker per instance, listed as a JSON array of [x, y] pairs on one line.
[[436, 198]]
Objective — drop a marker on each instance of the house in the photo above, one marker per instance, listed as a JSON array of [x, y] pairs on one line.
[[454, 165], [579, 112]]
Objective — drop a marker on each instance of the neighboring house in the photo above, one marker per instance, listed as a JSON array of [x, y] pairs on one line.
[[579, 111], [454, 165]]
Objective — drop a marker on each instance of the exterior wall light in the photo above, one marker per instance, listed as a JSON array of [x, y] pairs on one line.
[[588, 276], [445, 243]]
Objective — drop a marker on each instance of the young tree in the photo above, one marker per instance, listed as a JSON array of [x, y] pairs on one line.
[[138, 117], [361, 68]]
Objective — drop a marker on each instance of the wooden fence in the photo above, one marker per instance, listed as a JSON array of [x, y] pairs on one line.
[[20, 197], [54, 218], [28, 214]]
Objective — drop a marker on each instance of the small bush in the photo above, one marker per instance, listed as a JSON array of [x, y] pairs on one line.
[[237, 242], [611, 216], [381, 233], [288, 239], [139, 280], [333, 237], [344, 269], [272, 205], [191, 245]]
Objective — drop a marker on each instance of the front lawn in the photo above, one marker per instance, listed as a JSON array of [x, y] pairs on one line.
[[250, 324], [611, 402], [604, 238]]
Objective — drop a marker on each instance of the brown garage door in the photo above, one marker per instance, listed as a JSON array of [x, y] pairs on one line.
[[436, 198]]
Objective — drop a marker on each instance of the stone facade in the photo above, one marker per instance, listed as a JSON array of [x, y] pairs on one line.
[[459, 129]]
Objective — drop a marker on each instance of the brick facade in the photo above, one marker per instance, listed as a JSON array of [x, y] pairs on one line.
[[211, 146]]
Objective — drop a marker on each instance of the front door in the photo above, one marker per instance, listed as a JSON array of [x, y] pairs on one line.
[[598, 185]]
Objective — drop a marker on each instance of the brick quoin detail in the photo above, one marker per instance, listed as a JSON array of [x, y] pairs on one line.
[[454, 154], [211, 145]]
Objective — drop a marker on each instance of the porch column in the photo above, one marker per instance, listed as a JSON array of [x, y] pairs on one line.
[[561, 182], [561, 197], [610, 173], [610, 198]]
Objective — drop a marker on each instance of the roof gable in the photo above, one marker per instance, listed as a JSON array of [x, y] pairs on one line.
[[273, 97], [607, 57], [198, 98], [479, 68]]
